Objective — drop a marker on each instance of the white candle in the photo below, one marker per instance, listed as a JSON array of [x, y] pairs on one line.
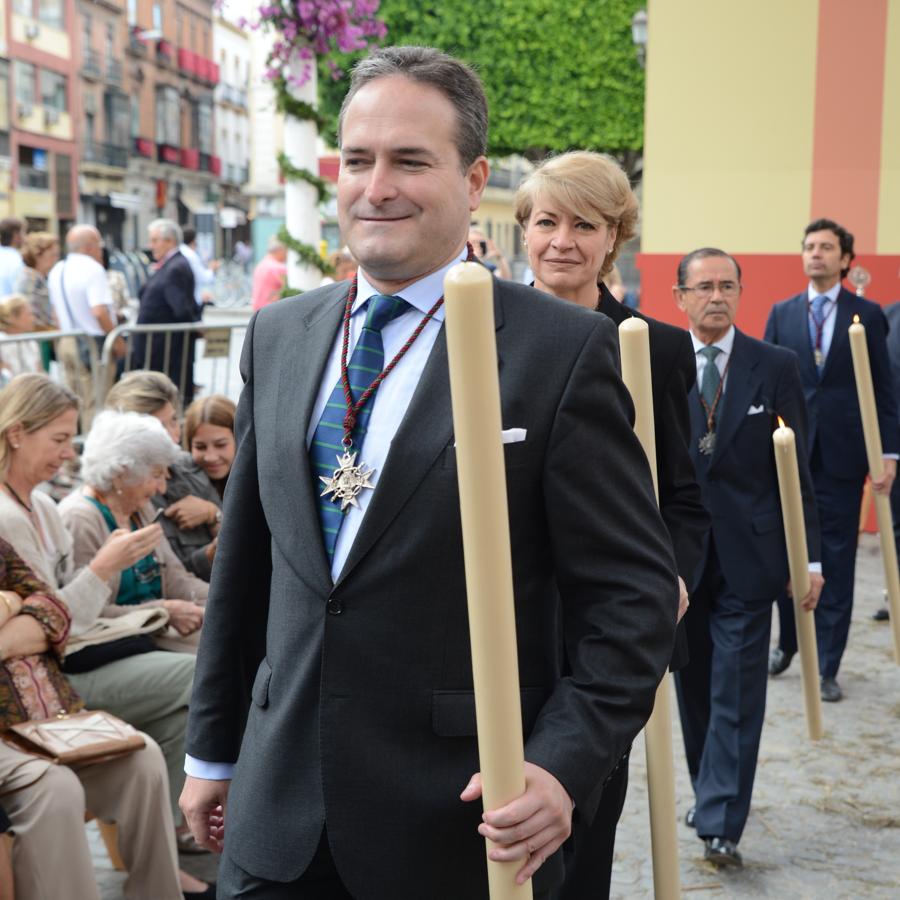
[[634, 349], [865, 391], [475, 394], [785, 445]]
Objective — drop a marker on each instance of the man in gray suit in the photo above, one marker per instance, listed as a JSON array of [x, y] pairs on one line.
[[345, 622]]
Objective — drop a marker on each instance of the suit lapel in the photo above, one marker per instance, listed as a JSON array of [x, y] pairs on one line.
[[297, 391], [426, 430], [740, 389]]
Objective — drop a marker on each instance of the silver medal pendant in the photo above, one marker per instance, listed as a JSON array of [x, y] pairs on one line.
[[707, 443], [347, 480]]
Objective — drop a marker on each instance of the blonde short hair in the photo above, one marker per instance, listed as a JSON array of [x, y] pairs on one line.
[[592, 186], [10, 307], [36, 243], [32, 401], [142, 391]]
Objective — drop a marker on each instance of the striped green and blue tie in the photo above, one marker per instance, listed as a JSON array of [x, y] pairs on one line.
[[365, 365]]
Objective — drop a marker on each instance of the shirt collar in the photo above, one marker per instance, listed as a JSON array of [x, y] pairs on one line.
[[831, 293], [421, 294], [725, 343]]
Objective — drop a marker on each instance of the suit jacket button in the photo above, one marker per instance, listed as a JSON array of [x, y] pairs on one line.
[[334, 606]]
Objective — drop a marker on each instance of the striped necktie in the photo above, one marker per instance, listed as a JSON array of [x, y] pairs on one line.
[[364, 366]]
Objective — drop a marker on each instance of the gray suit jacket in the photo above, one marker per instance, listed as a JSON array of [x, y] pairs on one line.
[[362, 713]]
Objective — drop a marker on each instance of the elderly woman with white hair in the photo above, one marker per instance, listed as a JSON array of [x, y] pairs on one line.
[[167, 298], [124, 464]]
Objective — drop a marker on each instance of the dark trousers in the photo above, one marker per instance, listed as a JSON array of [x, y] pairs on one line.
[[589, 852], [722, 700], [320, 881], [838, 500]]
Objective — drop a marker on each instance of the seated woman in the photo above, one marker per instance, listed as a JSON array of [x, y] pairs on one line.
[[38, 419], [46, 803], [17, 357], [209, 437], [124, 464], [193, 507]]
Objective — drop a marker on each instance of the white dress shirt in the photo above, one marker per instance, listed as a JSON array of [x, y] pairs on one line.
[[203, 276], [726, 345], [390, 403]]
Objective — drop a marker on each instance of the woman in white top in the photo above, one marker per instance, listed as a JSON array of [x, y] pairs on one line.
[[151, 690], [18, 357]]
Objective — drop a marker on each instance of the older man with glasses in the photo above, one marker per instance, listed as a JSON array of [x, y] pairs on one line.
[[742, 385]]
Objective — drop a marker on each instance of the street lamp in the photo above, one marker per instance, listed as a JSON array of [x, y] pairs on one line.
[[639, 35]]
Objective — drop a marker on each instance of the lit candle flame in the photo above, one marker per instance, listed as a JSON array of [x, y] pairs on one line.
[[781, 423], [856, 319]]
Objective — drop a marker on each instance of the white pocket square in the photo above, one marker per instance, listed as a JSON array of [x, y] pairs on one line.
[[513, 435], [756, 409]]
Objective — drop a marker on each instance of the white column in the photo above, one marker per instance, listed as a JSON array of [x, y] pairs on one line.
[[301, 211]]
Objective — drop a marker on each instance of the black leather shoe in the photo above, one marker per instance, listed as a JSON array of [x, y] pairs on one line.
[[779, 661], [689, 817], [722, 853], [831, 690], [208, 894], [881, 615]]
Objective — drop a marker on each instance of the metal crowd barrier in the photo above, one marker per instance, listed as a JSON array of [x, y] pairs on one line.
[[217, 348], [217, 351]]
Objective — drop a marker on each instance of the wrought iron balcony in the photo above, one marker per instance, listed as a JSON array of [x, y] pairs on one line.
[[105, 154]]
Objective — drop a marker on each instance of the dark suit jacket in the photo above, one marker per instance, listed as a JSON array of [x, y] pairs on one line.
[[892, 314], [739, 481], [166, 297], [835, 426], [362, 712], [673, 373]]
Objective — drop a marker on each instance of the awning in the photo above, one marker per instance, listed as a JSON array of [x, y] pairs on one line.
[[124, 201], [232, 217], [197, 204]]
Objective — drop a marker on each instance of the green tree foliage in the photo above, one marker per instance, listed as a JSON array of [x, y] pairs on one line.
[[559, 74]]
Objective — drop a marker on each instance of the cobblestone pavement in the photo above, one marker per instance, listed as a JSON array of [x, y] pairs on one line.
[[825, 821]]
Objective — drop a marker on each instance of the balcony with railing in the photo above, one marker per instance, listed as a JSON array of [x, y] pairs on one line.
[[90, 66], [105, 154], [187, 61], [168, 153], [164, 51], [190, 158], [113, 71], [137, 44], [144, 147]]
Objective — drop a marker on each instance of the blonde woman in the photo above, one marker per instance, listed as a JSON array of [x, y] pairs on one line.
[[18, 357], [151, 690], [193, 507]]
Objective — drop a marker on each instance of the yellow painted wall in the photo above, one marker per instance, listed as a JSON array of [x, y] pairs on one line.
[[38, 204], [713, 175], [889, 193], [37, 122], [50, 40]]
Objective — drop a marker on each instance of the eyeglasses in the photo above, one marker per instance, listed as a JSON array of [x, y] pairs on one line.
[[705, 290]]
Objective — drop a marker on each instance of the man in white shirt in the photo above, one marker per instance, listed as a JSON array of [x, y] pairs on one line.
[[82, 301], [204, 276], [12, 232]]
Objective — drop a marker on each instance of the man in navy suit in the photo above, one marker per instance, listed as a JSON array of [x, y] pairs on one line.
[[167, 298], [742, 385], [814, 325]]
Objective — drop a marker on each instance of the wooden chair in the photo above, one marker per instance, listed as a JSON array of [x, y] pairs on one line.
[[109, 831]]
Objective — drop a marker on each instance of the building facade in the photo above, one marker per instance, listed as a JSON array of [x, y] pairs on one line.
[[173, 170], [38, 161], [231, 50]]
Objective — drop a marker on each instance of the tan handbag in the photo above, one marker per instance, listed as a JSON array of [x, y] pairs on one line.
[[81, 738]]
